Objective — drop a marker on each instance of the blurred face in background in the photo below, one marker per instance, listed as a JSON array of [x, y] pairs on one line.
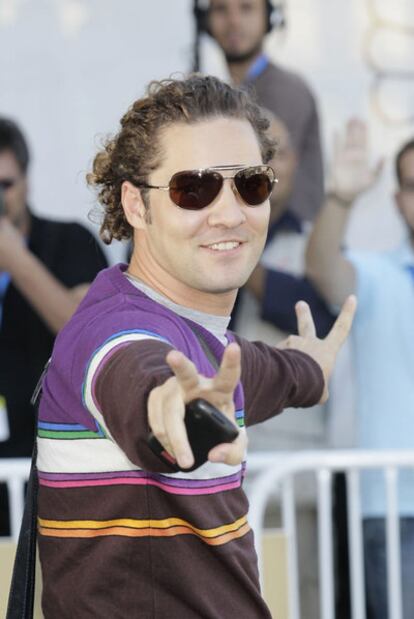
[[405, 195], [284, 164], [239, 27], [13, 183]]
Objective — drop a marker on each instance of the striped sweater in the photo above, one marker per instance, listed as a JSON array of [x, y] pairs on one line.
[[120, 534]]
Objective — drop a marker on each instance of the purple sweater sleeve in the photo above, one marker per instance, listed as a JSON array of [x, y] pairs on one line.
[[122, 390], [276, 379]]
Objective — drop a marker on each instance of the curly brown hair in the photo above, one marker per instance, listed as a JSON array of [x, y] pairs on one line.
[[134, 152]]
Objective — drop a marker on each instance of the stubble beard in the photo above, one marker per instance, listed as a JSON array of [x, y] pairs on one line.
[[242, 57]]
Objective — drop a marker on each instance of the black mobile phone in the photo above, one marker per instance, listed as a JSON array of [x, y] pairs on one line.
[[206, 427]]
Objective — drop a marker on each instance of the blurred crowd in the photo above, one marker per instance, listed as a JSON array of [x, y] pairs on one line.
[[46, 267]]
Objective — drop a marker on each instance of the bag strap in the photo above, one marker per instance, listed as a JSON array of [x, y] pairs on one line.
[[22, 589], [206, 348]]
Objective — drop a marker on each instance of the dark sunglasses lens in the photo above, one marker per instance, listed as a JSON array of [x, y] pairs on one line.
[[193, 190], [254, 185]]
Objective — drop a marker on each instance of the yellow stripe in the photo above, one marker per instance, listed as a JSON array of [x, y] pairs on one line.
[[141, 524], [127, 532]]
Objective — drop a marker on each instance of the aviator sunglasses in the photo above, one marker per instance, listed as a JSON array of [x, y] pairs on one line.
[[195, 189]]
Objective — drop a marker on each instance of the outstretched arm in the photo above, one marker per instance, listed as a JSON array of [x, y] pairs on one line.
[[350, 176], [166, 405], [146, 385], [323, 351], [297, 372]]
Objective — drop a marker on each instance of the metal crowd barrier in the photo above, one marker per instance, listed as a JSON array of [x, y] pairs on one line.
[[277, 471], [272, 472], [15, 473]]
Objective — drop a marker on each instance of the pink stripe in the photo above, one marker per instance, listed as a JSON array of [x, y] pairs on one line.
[[138, 482]]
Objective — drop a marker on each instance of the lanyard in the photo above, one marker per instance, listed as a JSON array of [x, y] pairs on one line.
[[4, 282], [257, 68]]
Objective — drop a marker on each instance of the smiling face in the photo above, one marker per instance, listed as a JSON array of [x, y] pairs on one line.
[[198, 258], [238, 26]]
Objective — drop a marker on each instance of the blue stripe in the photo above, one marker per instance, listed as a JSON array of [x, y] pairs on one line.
[[61, 426], [69, 427]]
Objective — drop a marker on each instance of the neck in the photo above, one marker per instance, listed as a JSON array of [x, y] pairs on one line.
[[239, 70], [217, 304]]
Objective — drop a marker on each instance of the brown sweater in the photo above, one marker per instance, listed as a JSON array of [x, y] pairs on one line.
[[120, 535]]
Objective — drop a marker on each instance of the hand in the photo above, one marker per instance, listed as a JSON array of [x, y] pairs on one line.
[[166, 406], [322, 351], [10, 242], [351, 173]]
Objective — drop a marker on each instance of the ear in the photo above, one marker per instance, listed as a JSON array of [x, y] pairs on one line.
[[133, 205]]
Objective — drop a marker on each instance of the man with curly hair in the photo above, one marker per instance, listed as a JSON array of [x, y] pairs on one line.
[[123, 533]]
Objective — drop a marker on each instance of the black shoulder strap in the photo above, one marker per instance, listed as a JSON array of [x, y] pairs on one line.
[[204, 346], [22, 589]]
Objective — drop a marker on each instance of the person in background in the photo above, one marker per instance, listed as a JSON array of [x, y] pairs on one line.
[[382, 342], [265, 305], [45, 270], [265, 311], [240, 27]]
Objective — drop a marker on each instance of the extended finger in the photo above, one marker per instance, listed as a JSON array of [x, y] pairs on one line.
[[306, 326], [343, 323], [228, 374], [184, 370], [230, 453], [177, 433], [156, 423]]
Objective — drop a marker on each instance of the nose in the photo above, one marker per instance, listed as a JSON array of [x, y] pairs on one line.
[[227, 211], [233, 17]]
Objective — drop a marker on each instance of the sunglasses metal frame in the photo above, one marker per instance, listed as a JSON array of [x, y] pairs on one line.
[[237, 167]]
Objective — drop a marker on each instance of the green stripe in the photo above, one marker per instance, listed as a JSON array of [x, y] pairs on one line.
[[240, 422], [67, 434]]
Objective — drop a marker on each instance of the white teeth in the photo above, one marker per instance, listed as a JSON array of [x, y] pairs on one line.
[[224, 246]]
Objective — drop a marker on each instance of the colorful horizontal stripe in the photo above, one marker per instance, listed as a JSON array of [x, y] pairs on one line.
[[171, 485], [68, 431], [240, 418], [129, 527], [84, 456]]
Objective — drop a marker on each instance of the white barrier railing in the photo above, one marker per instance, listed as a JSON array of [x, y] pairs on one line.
[[15, 473], [276, 472], [272, 472]]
